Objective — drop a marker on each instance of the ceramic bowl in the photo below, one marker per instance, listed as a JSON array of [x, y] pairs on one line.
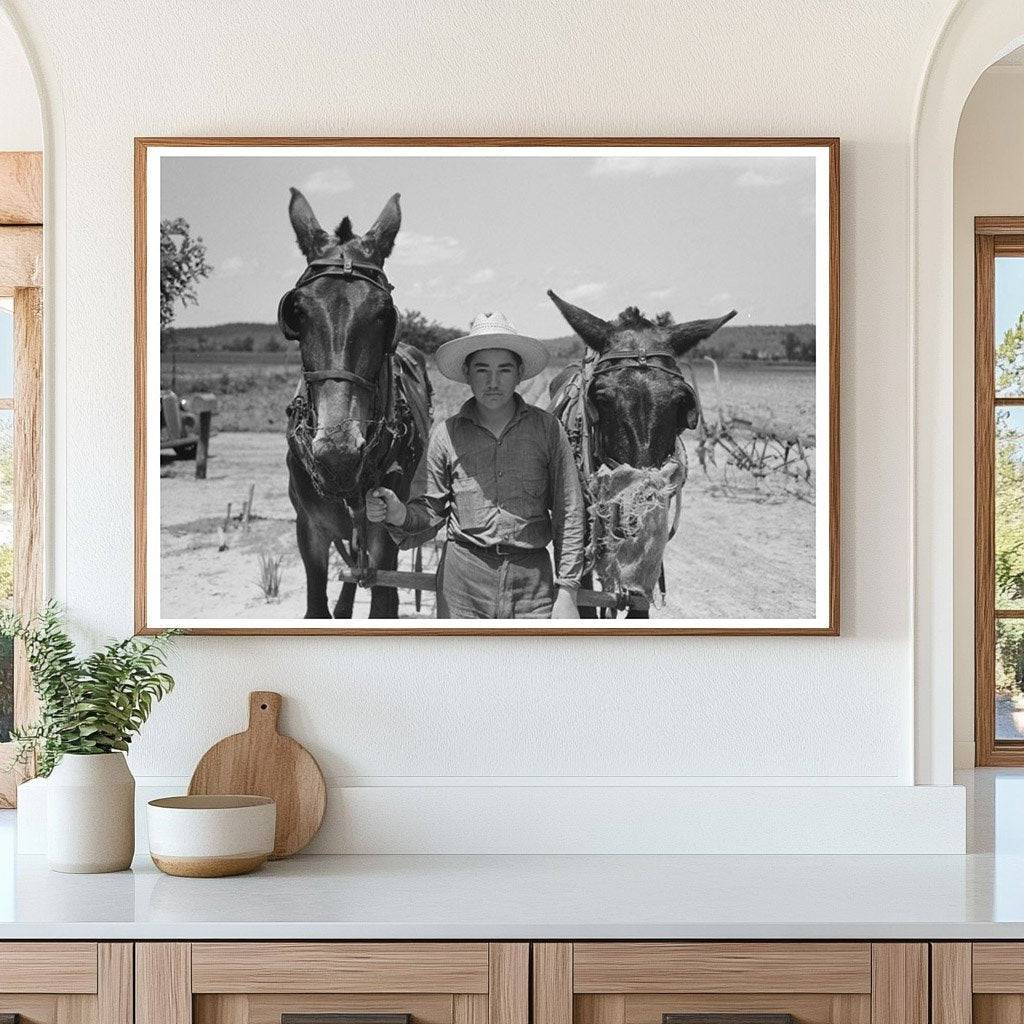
[[211, 836]]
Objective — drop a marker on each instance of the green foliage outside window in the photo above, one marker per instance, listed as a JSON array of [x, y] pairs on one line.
[[1009, 475], [1009, 510]]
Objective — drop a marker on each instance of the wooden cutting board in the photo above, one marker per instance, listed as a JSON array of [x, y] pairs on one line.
[[262, 762]]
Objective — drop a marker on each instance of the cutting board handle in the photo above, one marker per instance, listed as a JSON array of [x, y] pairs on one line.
[[264, 710]]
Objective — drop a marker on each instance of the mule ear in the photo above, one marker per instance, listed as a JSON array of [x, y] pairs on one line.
[[311, 237], [593, 330], [381, 236], [684, 336]]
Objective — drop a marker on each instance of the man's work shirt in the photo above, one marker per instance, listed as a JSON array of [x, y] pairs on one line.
[[521, 489]]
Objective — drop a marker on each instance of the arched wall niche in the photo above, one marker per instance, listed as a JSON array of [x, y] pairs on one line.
[[21, 122], [975, 35]]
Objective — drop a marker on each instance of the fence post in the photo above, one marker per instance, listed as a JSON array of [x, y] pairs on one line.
[[205, 405]]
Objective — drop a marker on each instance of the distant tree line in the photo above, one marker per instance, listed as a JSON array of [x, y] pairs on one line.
[[758, 343]]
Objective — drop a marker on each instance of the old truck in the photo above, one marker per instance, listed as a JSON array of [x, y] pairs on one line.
[[185, 426]]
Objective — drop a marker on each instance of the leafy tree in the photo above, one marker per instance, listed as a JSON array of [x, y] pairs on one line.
[[1009, 467], [182, 265], [1010, 360], [1009, 655], [1009, 512], [426, 335], [796, 350], [665, 319]]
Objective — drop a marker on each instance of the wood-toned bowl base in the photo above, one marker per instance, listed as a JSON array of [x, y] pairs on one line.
[[209, 867]]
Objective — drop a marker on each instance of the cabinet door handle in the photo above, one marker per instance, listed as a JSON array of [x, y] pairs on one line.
[[728, 1018], [338, 1018]]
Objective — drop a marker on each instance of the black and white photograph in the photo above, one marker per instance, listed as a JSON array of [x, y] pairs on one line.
[[460, 386]]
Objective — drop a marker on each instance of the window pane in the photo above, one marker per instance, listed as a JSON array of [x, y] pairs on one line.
[[1009, 679], [6, 567], [1009, 524], [1009, 339], [6, 348]]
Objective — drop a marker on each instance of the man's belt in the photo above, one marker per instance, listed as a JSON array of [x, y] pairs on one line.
[[494, 550]]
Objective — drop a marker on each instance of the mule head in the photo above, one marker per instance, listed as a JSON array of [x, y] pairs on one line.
[[640, 411], [341, 323]]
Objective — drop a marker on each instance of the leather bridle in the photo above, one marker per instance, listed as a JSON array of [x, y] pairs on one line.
[[384, 429], [344, 267], [662, 360]]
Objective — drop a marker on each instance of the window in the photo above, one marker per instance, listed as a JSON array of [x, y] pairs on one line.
[[6, 510], [999, 490], [21, 351]]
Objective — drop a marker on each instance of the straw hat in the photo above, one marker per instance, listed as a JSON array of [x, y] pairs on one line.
[[490, 330]]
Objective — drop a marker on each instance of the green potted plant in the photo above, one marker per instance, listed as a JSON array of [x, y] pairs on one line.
[[89, 709]]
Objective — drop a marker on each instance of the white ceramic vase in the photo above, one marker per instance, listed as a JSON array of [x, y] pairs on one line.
[[90, 814]]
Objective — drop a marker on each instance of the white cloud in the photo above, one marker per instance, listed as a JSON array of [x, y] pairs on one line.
[[654, 166], [328, 183], [660, 294], [415, 250], [234, 266], [481, 276], [585, 291], [755, 179]]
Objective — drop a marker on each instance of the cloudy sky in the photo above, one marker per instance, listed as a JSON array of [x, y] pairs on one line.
[[694, 235]]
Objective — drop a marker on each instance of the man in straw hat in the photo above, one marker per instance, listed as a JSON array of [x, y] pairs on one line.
[[500, 475]]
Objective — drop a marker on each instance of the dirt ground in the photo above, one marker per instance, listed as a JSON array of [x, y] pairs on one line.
[[737, 553]]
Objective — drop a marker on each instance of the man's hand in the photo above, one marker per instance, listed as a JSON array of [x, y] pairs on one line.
[[384, 506], [565, 604]]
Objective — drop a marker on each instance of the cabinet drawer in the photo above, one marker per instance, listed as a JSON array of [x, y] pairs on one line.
[[260, 982], [339, 967], [749, 982], [634, 967], [48, 967]]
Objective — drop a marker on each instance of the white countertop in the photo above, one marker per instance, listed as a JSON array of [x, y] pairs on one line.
[[532, 897], [977, 896]]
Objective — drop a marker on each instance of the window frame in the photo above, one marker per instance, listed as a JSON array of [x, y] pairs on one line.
[[21, 262], [993, 237]]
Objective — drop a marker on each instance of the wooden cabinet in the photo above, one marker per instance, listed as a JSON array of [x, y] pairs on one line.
[[980, 982], [647, 982], [494, 983], [66, 982], [259, 982]]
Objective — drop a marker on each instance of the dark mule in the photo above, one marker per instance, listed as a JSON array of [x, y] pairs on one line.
[[634, 403], [361, 414]]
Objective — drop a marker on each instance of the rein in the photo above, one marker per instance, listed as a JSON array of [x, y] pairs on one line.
[[385, 430]]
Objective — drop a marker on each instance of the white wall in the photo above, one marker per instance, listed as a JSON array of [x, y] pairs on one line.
[[21, 125], [490, 712], [988, 181]]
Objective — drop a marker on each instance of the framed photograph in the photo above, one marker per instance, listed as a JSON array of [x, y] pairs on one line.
[[539, 386]]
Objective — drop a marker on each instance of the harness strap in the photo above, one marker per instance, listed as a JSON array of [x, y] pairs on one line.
[[316, 376], [680, 457], [345, 267], [608, 362]]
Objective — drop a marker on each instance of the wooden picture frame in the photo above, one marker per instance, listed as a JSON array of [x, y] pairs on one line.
[[21, 268], [825, 213]]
